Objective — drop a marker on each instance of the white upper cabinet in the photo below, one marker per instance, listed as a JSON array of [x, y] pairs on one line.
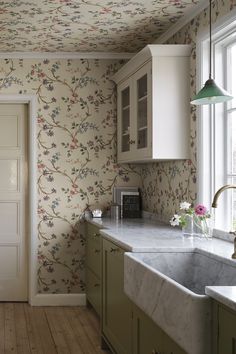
[[153, 95]]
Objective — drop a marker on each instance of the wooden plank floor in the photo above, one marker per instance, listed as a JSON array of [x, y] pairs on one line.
[[48, 330]]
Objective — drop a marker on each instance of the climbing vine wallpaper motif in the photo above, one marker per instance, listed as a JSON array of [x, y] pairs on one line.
[[76, 120], [86, 25], [165, 184]]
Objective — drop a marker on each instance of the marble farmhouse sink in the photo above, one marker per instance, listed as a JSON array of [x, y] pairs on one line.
[[170, 288]]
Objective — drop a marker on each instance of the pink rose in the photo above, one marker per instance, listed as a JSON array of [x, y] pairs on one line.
[[200, 209]]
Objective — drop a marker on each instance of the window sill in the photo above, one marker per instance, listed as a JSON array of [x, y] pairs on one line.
[[223, 235]]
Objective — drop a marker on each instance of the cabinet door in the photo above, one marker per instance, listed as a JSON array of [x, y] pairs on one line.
[[169, 346], [93, 253], [227, 332], [147, 337], [117, 308], [142, 96], [124, 131], [93, 290]]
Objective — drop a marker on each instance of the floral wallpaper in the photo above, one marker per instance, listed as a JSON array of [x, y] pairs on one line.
[[76, 119], [76, 129], [86, 25], [165, 184]]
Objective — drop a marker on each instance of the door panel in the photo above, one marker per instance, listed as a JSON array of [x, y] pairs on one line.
[[9, 131], [8, 252], [13, 202], [9, 219], [9, 175]]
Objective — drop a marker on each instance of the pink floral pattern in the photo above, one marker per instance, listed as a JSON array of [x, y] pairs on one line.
[[76, 137], [86, 25], [166, 184]]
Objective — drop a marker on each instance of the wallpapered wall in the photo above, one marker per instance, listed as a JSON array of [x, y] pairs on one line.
[[76, 153], [76, 119], [168, 183]]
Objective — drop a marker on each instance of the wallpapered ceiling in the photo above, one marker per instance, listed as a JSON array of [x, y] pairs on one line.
[[86, 25]]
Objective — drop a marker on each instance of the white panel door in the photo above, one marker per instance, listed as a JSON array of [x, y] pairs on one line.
[[13, 202]]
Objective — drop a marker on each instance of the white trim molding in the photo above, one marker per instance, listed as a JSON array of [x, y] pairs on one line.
[[59, 300], [34, 298], [65, 55], [211, 127], [33, 243]]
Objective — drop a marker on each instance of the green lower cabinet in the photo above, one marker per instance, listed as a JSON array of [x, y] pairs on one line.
[[148, 338], [125, 327], [226, 331], [93, 261], [116, 307], [93, 285], [170, 347]]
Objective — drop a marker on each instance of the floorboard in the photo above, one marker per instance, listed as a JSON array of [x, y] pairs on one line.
[[48, 330]]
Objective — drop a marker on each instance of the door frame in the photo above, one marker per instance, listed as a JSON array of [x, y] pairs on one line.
[[30, 100]]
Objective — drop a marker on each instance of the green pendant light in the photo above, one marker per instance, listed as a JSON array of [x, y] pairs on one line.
[[211, 93]]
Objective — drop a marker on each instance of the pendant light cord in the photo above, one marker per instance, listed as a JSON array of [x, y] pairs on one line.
[[210, 52]]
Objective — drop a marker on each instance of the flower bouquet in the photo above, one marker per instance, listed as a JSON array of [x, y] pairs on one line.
[[193, 220]]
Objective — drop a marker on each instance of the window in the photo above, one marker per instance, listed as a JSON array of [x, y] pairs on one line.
[[230, 116], [217, 130]]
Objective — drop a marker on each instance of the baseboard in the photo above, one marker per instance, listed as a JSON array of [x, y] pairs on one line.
[[58, 300]]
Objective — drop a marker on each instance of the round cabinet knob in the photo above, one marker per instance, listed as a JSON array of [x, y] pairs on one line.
[[96, 251]]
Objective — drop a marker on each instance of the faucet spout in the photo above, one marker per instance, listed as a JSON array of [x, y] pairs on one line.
[[218, 193]]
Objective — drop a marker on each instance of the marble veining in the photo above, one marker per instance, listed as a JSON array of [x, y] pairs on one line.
[[170, 288], [193, 270], [198, 263], [142, 235]]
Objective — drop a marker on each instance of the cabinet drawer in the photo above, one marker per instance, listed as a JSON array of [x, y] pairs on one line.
[[93, 290], [93, 231]]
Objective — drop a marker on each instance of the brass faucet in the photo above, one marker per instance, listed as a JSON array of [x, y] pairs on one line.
[[214, 205], [218, 193]]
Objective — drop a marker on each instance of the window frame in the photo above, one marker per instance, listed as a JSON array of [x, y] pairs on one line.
[[209, 134]]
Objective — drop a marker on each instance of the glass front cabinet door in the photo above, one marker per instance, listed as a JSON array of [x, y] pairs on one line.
[[142, 110], [153, 105], [124, 113], [134, 123]]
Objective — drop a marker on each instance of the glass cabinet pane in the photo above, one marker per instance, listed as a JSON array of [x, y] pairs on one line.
[[142, 112], [125, 119], [142, 86]]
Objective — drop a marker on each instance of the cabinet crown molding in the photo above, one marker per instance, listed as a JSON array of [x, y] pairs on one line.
[[148, 53]]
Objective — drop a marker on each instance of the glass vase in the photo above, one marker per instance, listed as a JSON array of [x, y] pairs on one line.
[[203, 227], [187, 229]]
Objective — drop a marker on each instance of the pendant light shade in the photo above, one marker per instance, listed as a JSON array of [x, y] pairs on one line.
[[211, 93]]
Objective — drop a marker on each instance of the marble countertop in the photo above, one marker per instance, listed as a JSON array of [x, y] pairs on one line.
[[224, 294], [143, 235]]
